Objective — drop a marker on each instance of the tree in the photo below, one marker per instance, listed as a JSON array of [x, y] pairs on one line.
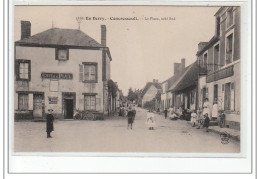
[[131, 95]]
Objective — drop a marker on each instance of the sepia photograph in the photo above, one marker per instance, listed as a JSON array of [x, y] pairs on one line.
[[127, 79]]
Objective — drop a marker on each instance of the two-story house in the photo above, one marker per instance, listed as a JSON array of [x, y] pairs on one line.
[[221, 57], [61, 69]]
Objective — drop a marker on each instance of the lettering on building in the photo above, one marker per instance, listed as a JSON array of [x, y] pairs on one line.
[[65, 76]]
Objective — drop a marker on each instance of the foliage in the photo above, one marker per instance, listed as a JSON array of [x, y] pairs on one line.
[[131, 95], [149, 104], [112, 88], [158, 96]]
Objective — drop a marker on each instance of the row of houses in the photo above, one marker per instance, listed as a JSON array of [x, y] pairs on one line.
[[215, 74], [63, 70]]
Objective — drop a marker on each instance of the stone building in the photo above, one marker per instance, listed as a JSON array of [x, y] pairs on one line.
[[221, 57], [61, 69]]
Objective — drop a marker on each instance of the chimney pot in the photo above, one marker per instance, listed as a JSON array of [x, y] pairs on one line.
[[183, 64], [25, 29]]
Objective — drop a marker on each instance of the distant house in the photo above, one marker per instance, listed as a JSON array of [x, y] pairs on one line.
[[61, 69], [150, 90]]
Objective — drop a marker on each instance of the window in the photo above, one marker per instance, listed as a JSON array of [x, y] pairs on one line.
[[229, 49], [205, 59], [230, 17], [90, 102], [23, 102], [88, 72], [215, 92], [216, 58], [62, 54], [23, 70]]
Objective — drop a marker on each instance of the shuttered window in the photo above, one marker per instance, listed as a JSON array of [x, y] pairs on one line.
[[23, 102], [88, 72]]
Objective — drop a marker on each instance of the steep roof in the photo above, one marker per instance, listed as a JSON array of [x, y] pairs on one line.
[[57, 36], [148, 85], [173, 81], [190, 77]]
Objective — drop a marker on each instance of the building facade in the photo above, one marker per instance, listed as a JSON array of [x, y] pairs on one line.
[[60, 69], [221, 57]]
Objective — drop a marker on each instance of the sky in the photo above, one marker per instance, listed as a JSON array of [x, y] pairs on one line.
[[143, 49]]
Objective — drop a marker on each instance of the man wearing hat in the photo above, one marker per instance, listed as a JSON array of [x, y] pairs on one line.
[[49, 123]]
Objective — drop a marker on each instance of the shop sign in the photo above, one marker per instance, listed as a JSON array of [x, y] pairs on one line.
[[66, 76], [53, 100]]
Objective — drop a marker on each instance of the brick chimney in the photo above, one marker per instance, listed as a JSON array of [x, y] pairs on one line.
[[176, 68], [25, 29], [183, 64], [103, 35], [155, 81]]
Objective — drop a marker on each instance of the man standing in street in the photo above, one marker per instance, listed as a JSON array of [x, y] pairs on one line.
[[49, 123]]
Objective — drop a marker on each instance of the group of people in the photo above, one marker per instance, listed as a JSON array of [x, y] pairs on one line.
[[201, 118], [130, 113]]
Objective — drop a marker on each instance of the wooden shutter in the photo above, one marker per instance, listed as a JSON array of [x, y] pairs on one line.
[[80, 72], [223, 97], [30, 101], [232, 105], [98, 104]]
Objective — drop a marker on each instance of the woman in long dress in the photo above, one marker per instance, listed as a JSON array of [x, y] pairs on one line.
[[150, 120], [206, 109]]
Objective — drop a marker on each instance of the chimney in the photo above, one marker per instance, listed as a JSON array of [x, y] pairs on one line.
[[25, 29], [155, 81], [183, 64], [201, 45], [103, 35], [176, 67]]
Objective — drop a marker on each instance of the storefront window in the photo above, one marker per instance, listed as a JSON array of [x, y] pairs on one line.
[[89, 102]]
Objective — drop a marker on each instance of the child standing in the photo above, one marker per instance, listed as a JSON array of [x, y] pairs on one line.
[[193, 118], [150, 121], [206, 122]]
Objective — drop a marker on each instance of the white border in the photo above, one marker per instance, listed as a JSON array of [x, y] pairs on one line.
[[119, 164]]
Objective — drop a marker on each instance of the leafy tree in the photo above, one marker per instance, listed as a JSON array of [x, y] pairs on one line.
[[131, 95]]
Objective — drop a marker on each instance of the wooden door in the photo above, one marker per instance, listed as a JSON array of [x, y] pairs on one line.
[[37, 105]]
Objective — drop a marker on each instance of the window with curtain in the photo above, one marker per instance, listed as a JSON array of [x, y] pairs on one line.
[[23, 101], [89, 102]]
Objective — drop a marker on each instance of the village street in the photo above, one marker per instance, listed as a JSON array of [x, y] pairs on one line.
[[112, 135]]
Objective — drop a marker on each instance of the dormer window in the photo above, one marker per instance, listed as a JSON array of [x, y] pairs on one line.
[[230, 17], [62, 54]]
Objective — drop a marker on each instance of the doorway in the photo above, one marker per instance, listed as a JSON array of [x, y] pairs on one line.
[[68, 108], [69, 104], [37, 106]]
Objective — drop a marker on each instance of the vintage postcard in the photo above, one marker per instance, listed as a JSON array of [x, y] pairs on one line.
[[126, 80]]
